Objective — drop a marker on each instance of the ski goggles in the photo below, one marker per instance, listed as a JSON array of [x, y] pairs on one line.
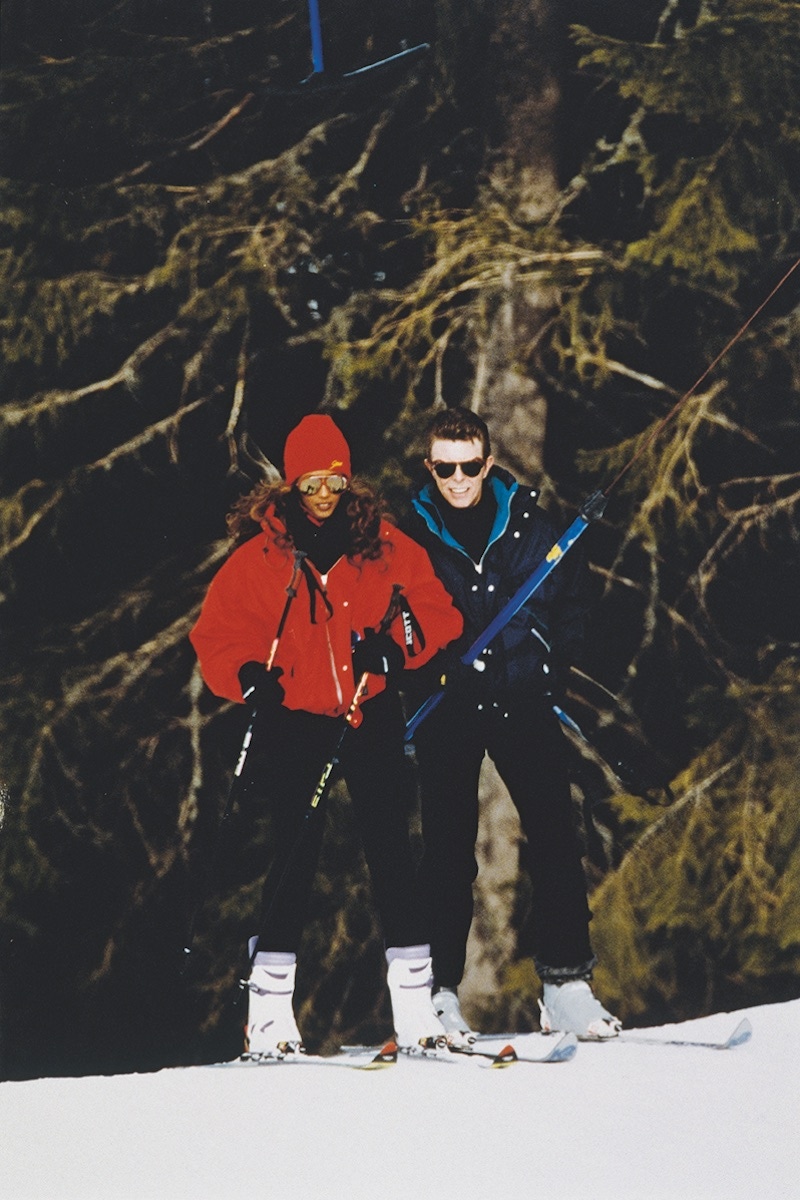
[[472, 468], [336, 484]]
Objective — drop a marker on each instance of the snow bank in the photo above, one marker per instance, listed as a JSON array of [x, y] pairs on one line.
[[620, 1121]]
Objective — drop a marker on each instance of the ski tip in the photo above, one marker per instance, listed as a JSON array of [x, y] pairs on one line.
[[386, 1056], [565, 1049], [505, 1057], [741, 1034]]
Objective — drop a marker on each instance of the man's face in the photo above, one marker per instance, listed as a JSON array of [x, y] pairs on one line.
[[459, 489]]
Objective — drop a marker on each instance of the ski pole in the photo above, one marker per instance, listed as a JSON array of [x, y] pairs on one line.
[[591, 510], [624, 774], [291, 592], [391, 612], [319, 791]]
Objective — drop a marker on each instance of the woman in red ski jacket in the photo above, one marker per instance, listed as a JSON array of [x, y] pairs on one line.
[[311, 622]]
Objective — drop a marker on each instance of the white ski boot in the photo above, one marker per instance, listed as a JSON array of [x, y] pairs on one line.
[[572, 1007], [409, 977], [271, 1027], [448, 1010]]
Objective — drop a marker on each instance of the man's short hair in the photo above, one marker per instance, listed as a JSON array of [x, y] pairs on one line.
[[459, 425]]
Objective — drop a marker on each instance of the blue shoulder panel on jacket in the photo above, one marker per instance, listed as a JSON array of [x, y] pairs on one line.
[[502, 483]]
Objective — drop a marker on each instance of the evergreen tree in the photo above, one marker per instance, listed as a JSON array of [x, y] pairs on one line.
[[198, 247]]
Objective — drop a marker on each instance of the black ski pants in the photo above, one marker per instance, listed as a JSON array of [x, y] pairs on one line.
[[291, 750], [524, 741]]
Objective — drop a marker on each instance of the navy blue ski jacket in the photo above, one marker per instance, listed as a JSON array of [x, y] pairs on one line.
[[549, 628]]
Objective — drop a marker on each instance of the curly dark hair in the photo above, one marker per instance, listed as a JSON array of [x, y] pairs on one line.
[[365, 510]]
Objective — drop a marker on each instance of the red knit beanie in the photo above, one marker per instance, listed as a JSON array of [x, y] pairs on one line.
[[316, 444]]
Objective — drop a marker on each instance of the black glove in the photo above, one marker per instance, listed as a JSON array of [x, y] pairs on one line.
[[377, 653], [260, 688], [465, 683]]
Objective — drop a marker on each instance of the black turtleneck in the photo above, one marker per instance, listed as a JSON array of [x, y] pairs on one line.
[[325, 542], [470, 527]]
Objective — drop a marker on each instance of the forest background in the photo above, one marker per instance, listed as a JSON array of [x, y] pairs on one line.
[[557, 213]]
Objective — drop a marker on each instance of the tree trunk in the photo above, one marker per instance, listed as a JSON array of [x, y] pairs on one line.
[[523, 175]]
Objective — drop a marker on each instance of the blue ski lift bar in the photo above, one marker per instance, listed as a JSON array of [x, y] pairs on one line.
[[317, 61], [591, 510], [317, 56]]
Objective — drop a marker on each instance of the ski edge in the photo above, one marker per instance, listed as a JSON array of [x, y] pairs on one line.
[[557, 1047], [363, 1058], [739, 1035]]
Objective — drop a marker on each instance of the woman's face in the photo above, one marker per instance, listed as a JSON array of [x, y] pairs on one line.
[[320, 492]]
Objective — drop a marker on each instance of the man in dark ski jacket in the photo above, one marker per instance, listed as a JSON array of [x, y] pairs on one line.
[[485, 536]]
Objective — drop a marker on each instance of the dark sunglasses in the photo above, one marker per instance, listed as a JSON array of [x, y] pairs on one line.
[[471, 469], [334, 483]]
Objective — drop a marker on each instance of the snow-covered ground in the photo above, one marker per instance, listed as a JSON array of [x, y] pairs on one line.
[[619, 1121]]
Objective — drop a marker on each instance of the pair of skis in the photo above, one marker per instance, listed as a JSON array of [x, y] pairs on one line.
[[492, 1051], [557, 1048]]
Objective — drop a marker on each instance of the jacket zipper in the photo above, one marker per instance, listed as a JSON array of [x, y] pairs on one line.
[[331, 656], [339, 696]]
